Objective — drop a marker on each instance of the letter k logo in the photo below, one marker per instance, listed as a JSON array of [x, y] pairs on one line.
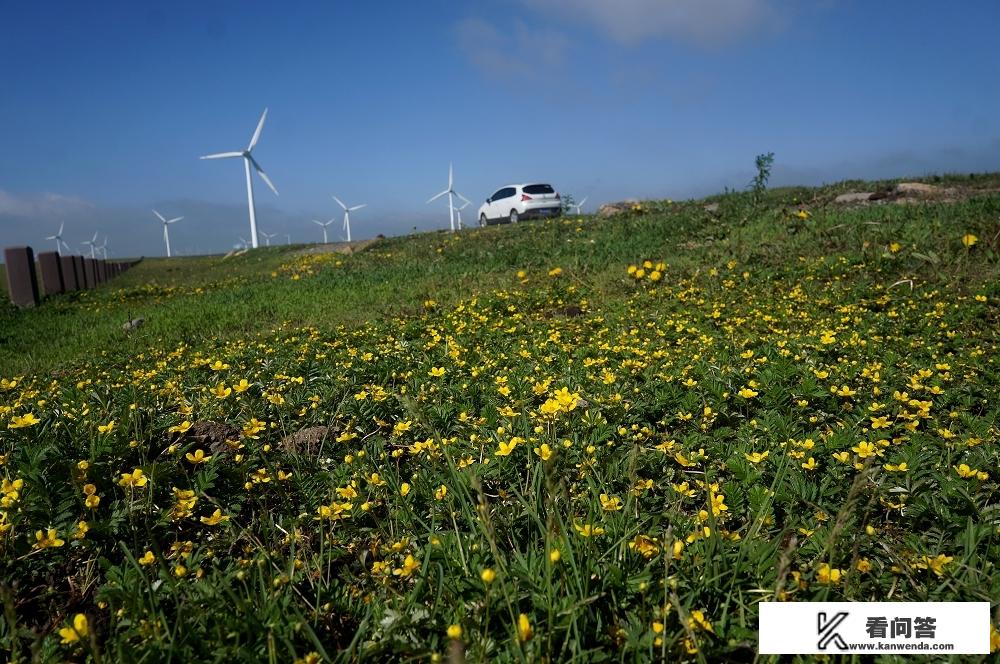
[[827, 630]]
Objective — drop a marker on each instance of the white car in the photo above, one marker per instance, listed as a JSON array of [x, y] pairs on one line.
[[520, 201]]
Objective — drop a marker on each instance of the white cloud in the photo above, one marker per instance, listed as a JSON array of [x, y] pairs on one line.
[[520, 51], [708, 23], [40, 205]]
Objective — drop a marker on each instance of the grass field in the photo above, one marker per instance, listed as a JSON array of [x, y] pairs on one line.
[[571, 440]]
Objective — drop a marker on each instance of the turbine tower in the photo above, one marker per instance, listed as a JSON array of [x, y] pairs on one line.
[[58, 237], [267, 238], [91, 243], [579, 206], [166, 234], [323, 226], [347, 216], [451, 201], [458, 213], [249, 161]]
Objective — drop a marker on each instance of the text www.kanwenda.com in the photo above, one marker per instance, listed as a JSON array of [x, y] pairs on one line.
[[900, 646]]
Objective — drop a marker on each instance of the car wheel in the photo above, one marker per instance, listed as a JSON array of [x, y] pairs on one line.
[[513, 216], [482, 220]]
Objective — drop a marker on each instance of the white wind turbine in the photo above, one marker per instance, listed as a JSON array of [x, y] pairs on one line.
[[324, 226], [58, 237], [579, 206], [248, 160], [103, 248], [458, 213], [166, 233], [451, 201], [267, 238], [91, 243], [347, 216]]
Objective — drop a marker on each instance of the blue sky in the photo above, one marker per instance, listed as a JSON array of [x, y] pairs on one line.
[[106, 106]]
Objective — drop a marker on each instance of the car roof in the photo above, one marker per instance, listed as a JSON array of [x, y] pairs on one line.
[[523, 184]]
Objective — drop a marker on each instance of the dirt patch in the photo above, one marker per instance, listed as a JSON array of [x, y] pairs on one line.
[[306, 441], [339, 247], [212, 435]]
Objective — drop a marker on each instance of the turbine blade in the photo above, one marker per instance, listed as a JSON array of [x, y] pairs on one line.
[[256, 133], [159, 216], [61, 225], [358, 207], [584, 200], [318, 223], [174, 220], [467, 201], [437, 196], [340, 202], [262, 174], [449, 175], [222, 155]]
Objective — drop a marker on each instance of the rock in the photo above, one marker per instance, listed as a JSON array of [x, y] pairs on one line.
[[916, 189], [214, 435], [854, 197], [133, 324], [711, 207], [306, 441], [611, 209]]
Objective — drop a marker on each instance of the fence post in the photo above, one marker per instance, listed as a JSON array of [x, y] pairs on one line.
[[51, 270], [22, 284], [89, 278]]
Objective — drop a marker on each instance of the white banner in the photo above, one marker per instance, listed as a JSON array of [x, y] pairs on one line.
[[960, 628]]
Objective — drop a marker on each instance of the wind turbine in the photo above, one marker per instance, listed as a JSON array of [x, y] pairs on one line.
[[458, 213], [248, 161], [579, 206], [451, 202], [267, 238], [103, 248], [347, 216], [166, 234], [58, 236], [324, 226], [288, 239], [91, 243], [243, 243]]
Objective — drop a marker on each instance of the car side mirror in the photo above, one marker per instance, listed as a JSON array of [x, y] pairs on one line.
[[488, 200]]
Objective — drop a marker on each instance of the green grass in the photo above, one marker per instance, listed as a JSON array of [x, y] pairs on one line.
[[534, 395]]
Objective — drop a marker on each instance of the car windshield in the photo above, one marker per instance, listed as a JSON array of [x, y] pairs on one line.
[[539, 189]]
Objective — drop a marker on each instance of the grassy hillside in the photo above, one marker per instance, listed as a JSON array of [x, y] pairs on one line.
[[572, 440]]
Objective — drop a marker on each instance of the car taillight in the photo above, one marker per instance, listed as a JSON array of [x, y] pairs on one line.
[[525, 197]]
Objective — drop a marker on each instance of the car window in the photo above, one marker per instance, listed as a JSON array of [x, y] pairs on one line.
[[539, 189], [497, 196], [506, 192]]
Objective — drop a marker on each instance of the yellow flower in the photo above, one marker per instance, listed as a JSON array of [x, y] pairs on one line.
[[441, 492], [554, 556], [864, 449], [488, 576], [894, 247], [47, 539], [241, 386], [197, 457], [697, 620], [78, 630], [106, 428], [810, 464], [180, 571], [180, 428], [544, 451], [20, 421], [404, 488], [969, 240], [588, 530], [555, 272], [827, 575], [147, 558], [410, 565], [81, 530], [842, 457], [610, 503], [863, 565], [136, 478], [221, 391], [967, 472], [215, 519], [218, 365], [747, 393], [505, 448], [935, 564], [756, 457], [896, 468], [524, 630], [454, 631], [436, 372]]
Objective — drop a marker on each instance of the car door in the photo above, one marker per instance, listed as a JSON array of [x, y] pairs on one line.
[[503, 203], [494, 205]]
